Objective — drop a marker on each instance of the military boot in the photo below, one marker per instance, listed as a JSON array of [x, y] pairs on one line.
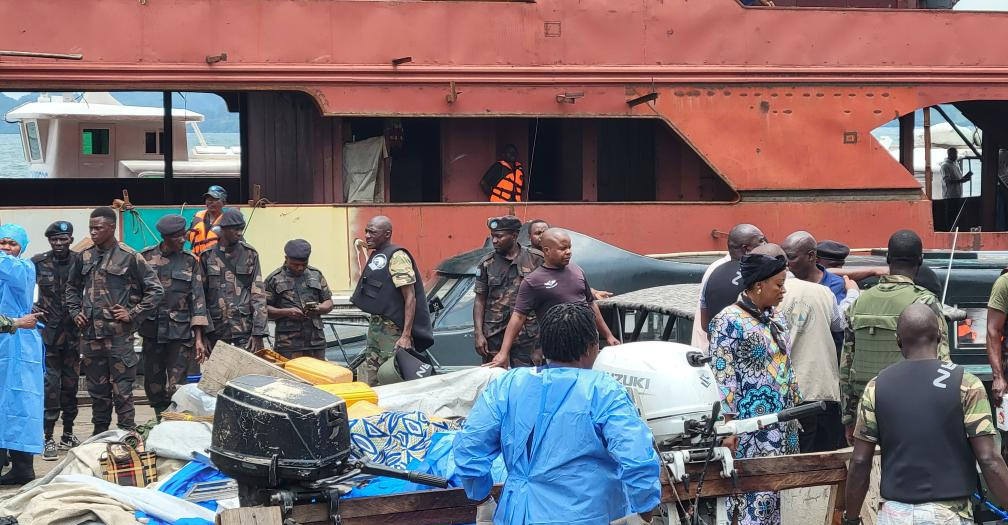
[[22, 469]]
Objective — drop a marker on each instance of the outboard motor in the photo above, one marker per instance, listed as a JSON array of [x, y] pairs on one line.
[[286, 442]]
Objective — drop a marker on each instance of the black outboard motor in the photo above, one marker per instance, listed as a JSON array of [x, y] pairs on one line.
[[286, 442]]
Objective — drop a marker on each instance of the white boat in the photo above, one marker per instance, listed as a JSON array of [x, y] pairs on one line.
[[95, 136]]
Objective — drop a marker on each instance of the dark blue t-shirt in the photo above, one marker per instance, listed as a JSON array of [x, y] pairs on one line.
[[834, 282]]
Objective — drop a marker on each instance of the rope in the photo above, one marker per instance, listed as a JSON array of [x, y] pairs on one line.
[[527, 192]]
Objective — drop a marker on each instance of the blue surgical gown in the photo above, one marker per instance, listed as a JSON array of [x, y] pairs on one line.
[[21, 361], [575, 449]]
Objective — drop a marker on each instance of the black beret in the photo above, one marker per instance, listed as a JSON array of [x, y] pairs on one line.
[[232, 218], [832, 250], [505, 223], [171, 224], [59, 228], [297, 249]]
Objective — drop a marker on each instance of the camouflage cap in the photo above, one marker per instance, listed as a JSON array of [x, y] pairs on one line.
[[505, 223]]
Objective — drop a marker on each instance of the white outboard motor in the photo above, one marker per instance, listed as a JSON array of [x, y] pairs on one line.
[[675, 387]]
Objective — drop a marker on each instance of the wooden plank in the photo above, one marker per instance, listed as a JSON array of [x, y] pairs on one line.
[[227, 362], [836, 504], [448, 505], [250, 516]]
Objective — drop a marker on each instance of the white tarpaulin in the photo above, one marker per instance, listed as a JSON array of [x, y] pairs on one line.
[[364, 170], [443, 395]]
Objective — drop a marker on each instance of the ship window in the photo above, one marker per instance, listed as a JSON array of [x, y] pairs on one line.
[[154, 142], [34, 144], [95, 141]]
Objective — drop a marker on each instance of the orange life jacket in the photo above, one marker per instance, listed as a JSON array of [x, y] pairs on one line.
[[201, 235], [511, 186]]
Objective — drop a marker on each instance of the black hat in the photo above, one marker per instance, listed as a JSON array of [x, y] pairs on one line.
[[59, 228], [232, 218], [505, 223], [171, 224], [297, 249], [216, 192], [832, 250]]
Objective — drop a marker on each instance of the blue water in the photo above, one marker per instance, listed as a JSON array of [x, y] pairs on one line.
[[13, 165]]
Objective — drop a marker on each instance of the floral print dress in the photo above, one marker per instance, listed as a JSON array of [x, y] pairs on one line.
[[753, 370]]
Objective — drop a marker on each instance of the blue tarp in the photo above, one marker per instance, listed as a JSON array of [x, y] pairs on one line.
[[180, 483]]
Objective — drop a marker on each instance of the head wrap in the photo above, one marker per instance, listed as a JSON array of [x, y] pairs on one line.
[[13, 231], [758, 267]]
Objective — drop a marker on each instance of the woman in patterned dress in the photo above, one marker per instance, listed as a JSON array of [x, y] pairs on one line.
[[750, 357]]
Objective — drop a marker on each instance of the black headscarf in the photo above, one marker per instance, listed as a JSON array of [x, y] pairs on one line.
[[758, 267]]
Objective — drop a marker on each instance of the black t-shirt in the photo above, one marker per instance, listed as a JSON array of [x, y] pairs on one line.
[[723, 287], [545, 288]]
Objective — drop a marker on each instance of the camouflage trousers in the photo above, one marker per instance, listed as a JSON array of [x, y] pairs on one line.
[[298, 344], [62, 376], [166, 366], [381, 339], [317, 353], [241, 341], [109, 367], [524, 351]]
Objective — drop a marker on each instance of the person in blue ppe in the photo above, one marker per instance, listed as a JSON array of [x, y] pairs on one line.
[[575, 449], [21, 359]]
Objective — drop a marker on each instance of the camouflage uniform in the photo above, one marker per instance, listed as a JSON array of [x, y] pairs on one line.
[[62, 341], [849, 393], [283, 290], [168, 343], [498, 279], [977, 421], [235, 296], [99, 280]]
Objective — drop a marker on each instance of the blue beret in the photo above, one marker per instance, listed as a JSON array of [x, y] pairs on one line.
[[59, 228]]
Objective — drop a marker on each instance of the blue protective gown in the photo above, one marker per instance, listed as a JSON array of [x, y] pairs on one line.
[[21, 354], [590, 459]]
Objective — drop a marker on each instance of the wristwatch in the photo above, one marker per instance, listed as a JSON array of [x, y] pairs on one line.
[[844, 520]]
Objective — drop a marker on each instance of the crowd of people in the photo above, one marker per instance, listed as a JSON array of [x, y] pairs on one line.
[[782, 325]]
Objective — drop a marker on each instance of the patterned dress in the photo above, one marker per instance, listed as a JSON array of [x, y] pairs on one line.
[[754, 372]]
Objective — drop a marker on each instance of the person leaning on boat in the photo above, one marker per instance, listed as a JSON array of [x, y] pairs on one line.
[[575, 448], [933, 422], [750, 356], [390, 290], [204, 232]]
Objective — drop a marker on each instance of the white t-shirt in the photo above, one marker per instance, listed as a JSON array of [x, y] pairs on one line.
[[699, 339], [811, 312]]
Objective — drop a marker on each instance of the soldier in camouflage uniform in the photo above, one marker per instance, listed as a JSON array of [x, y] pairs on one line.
[[297, 296], [235, 296], [173, 333], [928, 420], [109, 290], [60, 335], [498, 277]]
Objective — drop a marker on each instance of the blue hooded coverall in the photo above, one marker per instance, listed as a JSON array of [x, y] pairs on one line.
[[22, 355], [574, 447]]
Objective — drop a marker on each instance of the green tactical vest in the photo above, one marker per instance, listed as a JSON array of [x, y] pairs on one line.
[[873, 320]]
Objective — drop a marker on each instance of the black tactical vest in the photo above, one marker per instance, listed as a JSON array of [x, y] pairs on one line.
[[926, 456], [376, 294]]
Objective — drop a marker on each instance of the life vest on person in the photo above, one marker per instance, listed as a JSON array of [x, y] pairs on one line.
[[510, 188], [201, 236], [873, 319]]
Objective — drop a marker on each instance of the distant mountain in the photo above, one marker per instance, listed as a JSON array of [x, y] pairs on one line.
[[212, 107]]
